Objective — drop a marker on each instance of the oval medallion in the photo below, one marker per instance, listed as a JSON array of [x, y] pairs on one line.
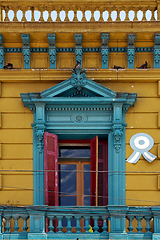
[[79, 118]]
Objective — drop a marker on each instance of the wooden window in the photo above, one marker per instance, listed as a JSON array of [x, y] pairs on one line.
[[74, 183], [79, 181]]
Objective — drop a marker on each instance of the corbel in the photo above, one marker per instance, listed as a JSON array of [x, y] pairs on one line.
[[1, 52], [104, 50], [26, 50], [117, 127], [156, 52], [39, 125], [131, 50], [52, 50], [78, 47]]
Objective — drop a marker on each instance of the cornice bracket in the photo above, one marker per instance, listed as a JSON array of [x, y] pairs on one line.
[[26, 50], [104, 50], [131, 50], [78, 48], [1, 52], [156, 51], [52, 50]]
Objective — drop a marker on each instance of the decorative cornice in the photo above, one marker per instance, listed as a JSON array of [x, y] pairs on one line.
[[100, 76], [86, 49], [96, 27]]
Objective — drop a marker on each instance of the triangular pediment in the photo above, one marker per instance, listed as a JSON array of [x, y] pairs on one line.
[[78, 86], [82, 89]]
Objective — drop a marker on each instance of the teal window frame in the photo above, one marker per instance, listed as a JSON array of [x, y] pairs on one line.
[[79, 108]]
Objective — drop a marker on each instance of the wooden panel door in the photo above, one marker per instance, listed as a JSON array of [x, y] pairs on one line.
[[51, 169]]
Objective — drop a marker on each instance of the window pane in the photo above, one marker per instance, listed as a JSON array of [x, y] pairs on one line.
[[74, 152], [68, 201], [86, 201], [68, 179]]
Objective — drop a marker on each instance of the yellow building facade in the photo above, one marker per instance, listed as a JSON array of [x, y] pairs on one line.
[[142, 180]]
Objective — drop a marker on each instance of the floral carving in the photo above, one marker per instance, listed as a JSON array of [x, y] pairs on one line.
[[117, 132], [78, 78], [40, 134], [78, 53], [156, 57]]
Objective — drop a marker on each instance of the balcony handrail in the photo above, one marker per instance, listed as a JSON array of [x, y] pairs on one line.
[[99, 11], [77, 221]]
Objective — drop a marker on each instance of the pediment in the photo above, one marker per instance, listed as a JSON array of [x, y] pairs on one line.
[[78, 86], [82, 89]]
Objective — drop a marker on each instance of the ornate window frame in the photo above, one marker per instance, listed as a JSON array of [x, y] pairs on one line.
[[83, 107]]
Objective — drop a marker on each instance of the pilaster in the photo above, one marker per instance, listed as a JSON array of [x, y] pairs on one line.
[[131, 50], [116, 160], [78, 47], [38, 153], [1, 52], [104, 50], [26, 50], [156, 52], [52, 50]]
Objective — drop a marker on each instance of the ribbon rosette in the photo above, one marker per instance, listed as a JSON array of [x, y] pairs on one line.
[[141, 143]]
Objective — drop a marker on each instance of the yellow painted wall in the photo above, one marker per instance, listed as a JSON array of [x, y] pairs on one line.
[[16, 136], [142, 188]]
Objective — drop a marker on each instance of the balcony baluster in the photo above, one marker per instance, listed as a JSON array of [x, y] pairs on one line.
[[86, 220], [69, 227], [16, 217], [7, 227], [130, 227], [51, 227], [78, 227], [105, 227], [60, 227], [139, 227], [95, 218]]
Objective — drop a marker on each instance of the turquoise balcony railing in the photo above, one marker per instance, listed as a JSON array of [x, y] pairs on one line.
[[111, 222]]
